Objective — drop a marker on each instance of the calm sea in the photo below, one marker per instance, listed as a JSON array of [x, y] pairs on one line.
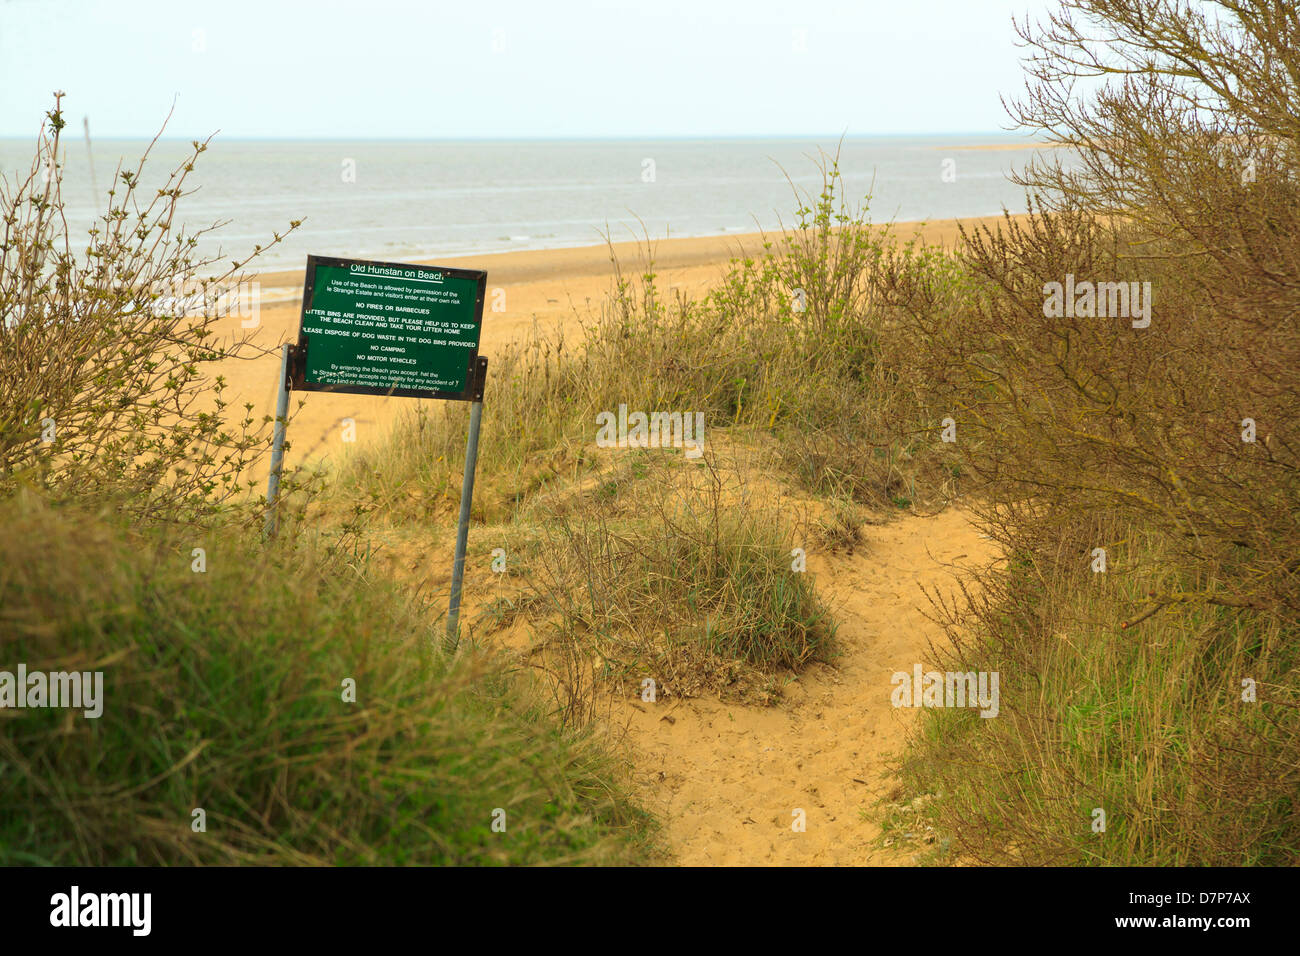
[[426, 200]]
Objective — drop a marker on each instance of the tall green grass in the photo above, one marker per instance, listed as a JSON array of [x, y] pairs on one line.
[[225, 692]]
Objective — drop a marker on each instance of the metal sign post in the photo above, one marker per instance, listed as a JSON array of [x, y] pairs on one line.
[[466, 498], [277, 444]]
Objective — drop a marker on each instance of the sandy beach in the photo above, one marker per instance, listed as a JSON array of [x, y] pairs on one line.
[[552, 287]]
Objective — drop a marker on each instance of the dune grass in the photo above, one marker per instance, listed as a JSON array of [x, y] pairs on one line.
[[1179, 731], [684, 571], [792, 345], [225, 692]]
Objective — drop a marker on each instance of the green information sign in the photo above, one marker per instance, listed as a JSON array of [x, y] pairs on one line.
[[385, 328]]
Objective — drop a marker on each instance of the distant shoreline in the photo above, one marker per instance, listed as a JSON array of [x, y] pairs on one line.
[[593, 259]]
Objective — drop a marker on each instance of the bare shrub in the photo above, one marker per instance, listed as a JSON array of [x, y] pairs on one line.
[[103, 348], [1169, 445]]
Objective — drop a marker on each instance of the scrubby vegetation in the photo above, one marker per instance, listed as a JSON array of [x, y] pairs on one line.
[[682, 572], [1162, 690], [117, 401]]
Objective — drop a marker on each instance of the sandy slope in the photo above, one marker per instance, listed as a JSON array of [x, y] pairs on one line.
[[726, 778]]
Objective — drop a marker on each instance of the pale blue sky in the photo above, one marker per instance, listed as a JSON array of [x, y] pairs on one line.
[[511, 68]]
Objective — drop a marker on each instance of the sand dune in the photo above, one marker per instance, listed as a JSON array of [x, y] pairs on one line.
[[551, 287]]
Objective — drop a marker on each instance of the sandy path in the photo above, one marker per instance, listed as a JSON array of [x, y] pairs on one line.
[[725, 778]]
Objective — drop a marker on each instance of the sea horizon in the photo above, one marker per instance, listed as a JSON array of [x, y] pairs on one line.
[[422, 199]]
